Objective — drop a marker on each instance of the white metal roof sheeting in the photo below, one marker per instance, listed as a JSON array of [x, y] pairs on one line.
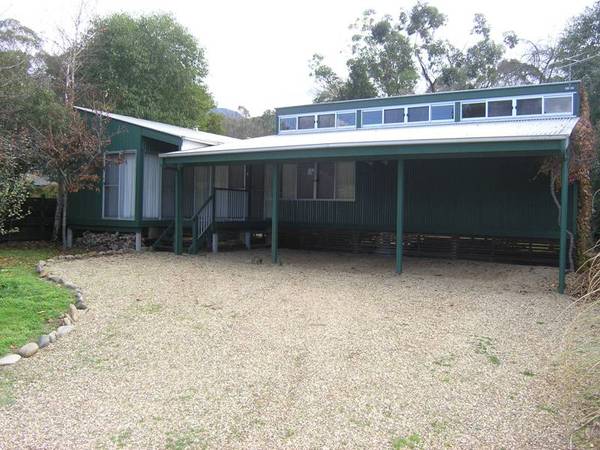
[[484, 131], [191, 138]]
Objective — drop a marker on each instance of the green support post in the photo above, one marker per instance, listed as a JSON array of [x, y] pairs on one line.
[[564, 210], [214, 204], [178, 232], [275, 214], [399, 214]]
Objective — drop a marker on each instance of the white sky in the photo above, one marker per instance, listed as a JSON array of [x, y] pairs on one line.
[[258, 50]]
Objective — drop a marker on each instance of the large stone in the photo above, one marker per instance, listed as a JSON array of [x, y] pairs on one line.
[[28, 350], [66, 320], [52, 337], [44, 341], [80, 305], [55, 279], [70, 285], [9, 359], [64, 330], [73, 312], [40, 266]]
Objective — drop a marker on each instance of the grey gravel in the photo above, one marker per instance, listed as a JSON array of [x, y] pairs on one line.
[[326, 351]]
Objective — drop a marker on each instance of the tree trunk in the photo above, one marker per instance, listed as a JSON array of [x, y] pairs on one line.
[[64, 219], [584, 219], [58, 211]]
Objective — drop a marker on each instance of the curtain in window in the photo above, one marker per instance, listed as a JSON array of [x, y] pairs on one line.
[[344, 180], [288, 181], [127, 186], [111, 187], [151, 203]]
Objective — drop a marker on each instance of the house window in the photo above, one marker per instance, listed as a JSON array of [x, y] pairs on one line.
[[318, 181], [344, 180], [326, 121], [558, 105], [473, 110], [237, 177], [306, 122], [529, 106], [287, 123], [442, 112], [119, 185], [500, 108], [306, 179], [346, 119], [288, 181], [325, 180], [395, 115], [372, 117], [418, 114]]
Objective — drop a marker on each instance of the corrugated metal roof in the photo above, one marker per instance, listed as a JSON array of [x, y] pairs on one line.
[[191, 138], [484, 131]]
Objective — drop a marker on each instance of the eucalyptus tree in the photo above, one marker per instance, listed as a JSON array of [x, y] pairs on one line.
[[149, 67]]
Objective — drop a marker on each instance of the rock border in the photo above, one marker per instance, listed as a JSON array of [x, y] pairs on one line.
[[67, 320]]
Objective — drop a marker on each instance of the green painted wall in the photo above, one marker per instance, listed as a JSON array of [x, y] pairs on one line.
[[483, 196], [85, 207]]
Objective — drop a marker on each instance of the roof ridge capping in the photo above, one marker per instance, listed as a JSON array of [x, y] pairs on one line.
[[433, 95], [188, 134]]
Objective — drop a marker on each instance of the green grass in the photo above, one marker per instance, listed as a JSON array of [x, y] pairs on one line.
[[485, 346], [412, 441], [29, 306]]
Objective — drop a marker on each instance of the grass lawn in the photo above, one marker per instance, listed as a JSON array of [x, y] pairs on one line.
[[29, 306]]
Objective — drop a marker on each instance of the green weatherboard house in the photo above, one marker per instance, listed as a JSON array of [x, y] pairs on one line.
[[451, 174]]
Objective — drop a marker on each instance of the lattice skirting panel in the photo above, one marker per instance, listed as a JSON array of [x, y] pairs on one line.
[[488, 248]]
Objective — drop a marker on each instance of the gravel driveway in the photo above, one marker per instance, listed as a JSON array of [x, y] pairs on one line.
[[325, 350]]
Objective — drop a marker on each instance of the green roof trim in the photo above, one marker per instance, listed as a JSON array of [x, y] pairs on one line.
[[412, 151]]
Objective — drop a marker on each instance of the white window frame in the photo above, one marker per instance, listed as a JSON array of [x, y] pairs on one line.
[[372, 125], [348, 111], [406, 123], [314, 129], [119, 152], [314, 183], [287, 117], [559, 95], [514, 107]]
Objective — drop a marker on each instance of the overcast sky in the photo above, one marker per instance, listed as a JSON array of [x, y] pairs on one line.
[[258, 51]]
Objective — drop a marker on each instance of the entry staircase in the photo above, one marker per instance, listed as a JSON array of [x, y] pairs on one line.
[[225, 205], [202, 226]]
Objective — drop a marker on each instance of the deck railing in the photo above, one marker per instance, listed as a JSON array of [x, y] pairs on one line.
[[231, 205]]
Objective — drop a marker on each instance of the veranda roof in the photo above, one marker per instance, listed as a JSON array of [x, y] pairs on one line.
[[490, 131], [190, 138]]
